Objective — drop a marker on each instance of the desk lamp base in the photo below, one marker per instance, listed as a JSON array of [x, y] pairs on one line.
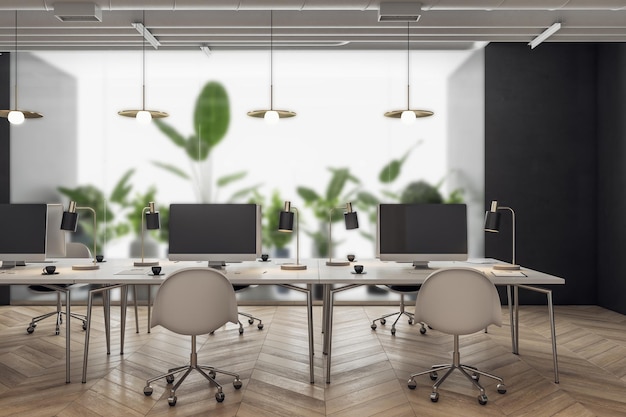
[[85, 267], [146, 263], [337, 263], [506, 267], [293, 267]]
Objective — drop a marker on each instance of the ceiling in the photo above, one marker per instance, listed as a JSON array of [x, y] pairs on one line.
[[307, 24]]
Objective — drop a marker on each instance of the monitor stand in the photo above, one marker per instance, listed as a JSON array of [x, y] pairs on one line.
[[11, 264], [219, 265], [420, 265]]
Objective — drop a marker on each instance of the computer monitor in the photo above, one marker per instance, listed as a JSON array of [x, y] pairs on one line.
[[55, 236], [420, 233], [217, 233], [22, 233]]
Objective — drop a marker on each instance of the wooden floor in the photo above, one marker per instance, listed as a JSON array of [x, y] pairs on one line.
[[369, 372]]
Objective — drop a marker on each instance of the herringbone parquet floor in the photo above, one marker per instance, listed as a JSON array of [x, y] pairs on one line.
[[370, 368]]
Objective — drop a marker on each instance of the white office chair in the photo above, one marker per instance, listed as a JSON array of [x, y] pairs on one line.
[[402, 290], [458, 301], [194, 301], [72, 250]]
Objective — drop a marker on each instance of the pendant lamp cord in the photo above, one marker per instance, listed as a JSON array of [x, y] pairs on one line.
[[143, 64], [271, 60], [408, 73], [15, 87]]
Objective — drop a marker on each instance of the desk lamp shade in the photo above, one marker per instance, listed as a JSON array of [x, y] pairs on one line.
[[69, 221], [492, 224], [285, 224], [351, 221], [152, 222]]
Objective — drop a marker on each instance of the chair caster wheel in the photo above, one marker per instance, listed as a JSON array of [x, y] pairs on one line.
[[147, 390], [434, 396], [30, 329], [237, 383], [169, 379], [260, 326], [56, 332], [393, 331], [241, 330], [84, 326], [212, 374], [433, 376], [220, 397], [475, 376], [410, 321], [422, 330], [172, 401], [250, 321], [501, 388], [412, 384], [482, 399], [373, 326], [383, 321]]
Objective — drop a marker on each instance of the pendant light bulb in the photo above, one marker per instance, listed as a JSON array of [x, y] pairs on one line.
[[143, 117], [16, 117], [271, 117], [408, 117]]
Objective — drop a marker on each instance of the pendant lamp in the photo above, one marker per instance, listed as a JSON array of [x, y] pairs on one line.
[[15, 115], [143, 116], [408, 115], [271, 116]]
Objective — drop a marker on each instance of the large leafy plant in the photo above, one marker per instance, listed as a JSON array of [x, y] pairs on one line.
[[211, 118]]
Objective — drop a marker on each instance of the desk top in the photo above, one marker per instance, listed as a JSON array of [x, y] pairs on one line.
[[123, 271]]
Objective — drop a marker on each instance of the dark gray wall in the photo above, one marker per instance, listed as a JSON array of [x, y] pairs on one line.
[[5, 150], [540, 159], [612, 176]]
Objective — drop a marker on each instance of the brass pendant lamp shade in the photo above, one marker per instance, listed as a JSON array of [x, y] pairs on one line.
[[271, 115], [15, 115], [143, 115], [408, 115]]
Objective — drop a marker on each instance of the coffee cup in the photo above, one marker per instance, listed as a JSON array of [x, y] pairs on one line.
[[351, 258], [49, 269], [99, 258], [265, 257], [358, 269], [156, 270]]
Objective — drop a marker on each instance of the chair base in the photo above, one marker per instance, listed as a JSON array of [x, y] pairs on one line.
[[383, 319], [193, 365], [251, 320], [471, 373], [59, 320]]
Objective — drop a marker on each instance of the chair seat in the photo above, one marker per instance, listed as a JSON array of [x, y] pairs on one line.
[[404, 288], [41, 288]]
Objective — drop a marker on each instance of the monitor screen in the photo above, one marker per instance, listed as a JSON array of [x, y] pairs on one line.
[[217, 233], [22, 233], [420, 233], [55, 236]]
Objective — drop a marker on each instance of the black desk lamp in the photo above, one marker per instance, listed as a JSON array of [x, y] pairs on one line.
[[69, 222], [150, 221], [285, 224], [492, 224], [352, 222]]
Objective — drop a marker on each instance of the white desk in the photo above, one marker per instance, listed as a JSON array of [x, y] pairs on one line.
[[121, 273], [387, 273]]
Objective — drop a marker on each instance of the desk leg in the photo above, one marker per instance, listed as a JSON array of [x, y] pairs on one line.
[[548, 294], [106, 306], [512, 319], [136, 312], [309, 309], [326, 316], [67, 336], [87, 331], [123, 302], [329, 333], [149, 305]]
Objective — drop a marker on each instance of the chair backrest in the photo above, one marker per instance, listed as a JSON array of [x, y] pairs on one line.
[[77, 250], [194, 301], [458, 301]]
